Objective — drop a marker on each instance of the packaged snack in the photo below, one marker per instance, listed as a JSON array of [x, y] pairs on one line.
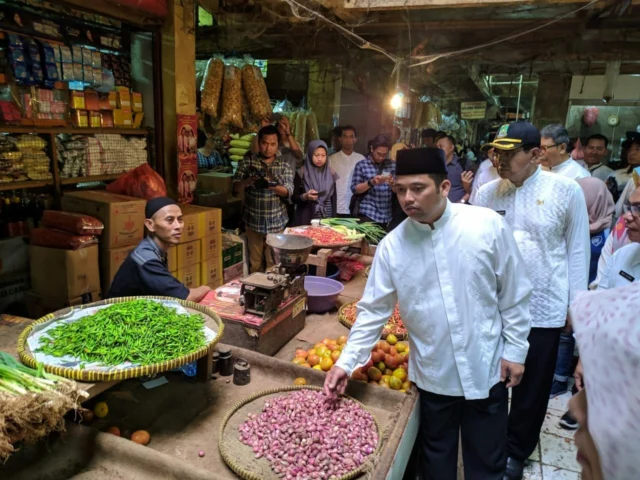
[[48, 237], [65, 55], [70, 222], [77, 54]]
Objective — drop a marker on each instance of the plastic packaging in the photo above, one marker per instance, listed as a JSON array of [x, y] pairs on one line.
[[48, 237], [211, 87], [312, 127], [75, 223], [256, 91], [141, 182], [232, 97]]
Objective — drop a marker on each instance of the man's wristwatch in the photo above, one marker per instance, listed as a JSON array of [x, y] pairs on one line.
[[370, 183]]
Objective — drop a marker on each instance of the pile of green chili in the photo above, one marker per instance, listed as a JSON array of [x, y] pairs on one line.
[[142, 332]]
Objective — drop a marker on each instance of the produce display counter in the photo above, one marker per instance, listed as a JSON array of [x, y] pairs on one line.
[[184, 418]]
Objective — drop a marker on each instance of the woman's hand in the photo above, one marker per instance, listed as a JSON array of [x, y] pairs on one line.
[[310, 196]]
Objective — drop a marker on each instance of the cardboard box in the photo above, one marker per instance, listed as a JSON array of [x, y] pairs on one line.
[[190, 276], [110, 262], [172, 259], [233, 272], [211, 247], [211, 272], [123, 216], [39, 306], [231, 254], [188, 254], [215, 182], [209, 220], [64, 274]]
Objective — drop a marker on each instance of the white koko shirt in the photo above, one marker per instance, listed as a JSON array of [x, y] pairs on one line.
[[343, 165], [463, 295], [549, 219], [570, 169], [622, 268]]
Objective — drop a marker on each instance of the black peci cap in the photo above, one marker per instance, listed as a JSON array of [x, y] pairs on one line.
[[418, 161]]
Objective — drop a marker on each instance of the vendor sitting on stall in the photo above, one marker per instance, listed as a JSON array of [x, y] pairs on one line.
[[145, 271]]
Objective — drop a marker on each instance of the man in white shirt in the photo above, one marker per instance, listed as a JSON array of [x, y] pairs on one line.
[[343, 163], [548, 215], [457, 276], [555, 158], [624, 265], [594, 153], [487, 172]]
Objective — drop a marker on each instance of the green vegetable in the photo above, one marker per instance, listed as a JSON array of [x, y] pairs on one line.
[[32, 403], [372, 232], [142, 332], [237, 151], [240, 144]]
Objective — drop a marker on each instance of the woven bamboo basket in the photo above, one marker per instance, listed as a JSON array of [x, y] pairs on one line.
[[349, 324], [244, 472], [87, 375]]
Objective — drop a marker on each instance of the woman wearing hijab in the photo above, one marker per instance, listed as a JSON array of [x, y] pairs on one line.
[[608, 408], [600, 207], [314, 189]]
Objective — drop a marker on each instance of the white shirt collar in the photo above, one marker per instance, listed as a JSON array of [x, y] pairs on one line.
[[438, 224], [562, 165]]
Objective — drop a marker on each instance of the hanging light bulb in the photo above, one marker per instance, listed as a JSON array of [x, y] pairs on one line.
[[397, 100]]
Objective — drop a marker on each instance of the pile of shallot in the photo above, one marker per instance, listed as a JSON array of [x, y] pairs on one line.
[[304, 438]]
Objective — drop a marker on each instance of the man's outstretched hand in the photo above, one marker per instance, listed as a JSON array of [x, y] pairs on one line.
[[335, 384], [511, 371]]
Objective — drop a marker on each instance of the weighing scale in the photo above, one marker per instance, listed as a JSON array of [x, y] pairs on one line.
[[263, 293]]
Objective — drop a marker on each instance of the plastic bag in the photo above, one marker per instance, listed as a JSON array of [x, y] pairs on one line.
[[141, 182], [417, 116], [590, 116], [51, 238], [301, 129], [75, 223], [211, 87], [312, 127], [256, 91], [232, 97]]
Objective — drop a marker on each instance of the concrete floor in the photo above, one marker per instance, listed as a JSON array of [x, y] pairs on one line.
[[555, 456]]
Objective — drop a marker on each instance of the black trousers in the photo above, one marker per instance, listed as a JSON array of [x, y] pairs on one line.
[[530, 399], [483, 424]]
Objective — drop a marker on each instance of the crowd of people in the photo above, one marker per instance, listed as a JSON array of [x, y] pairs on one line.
[[485, 293]]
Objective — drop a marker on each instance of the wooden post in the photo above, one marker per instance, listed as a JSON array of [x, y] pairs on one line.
[[178, 80]]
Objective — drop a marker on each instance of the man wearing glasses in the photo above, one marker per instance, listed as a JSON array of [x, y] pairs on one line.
[[624, 266], [548, 216], [555, 158], [372, 182]]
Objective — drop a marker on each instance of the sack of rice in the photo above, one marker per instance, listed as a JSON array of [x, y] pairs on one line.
[[211, 87]]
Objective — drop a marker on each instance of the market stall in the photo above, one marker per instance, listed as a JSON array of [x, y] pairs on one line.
[[184, 417]]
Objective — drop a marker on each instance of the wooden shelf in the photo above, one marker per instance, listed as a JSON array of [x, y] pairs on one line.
[[28, 184], [71, 130], [94, 178]]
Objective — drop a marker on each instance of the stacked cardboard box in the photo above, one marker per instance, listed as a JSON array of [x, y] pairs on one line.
[[123, 219], [197, 260], [60, 278], [232, 260]]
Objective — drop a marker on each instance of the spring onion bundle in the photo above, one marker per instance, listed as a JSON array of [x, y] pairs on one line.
[[373, 233], [142, 332], [32, 403]]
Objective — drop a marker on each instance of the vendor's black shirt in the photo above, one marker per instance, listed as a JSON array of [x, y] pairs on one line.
[[145, 272]]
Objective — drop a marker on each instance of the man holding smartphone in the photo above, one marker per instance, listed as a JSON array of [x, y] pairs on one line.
[[371, 184], [266, 180]]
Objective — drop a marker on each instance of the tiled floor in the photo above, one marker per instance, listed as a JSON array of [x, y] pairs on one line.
[[555, 456]]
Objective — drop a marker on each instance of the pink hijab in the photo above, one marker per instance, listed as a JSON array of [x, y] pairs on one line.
[[600, 203], [608, 335]]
